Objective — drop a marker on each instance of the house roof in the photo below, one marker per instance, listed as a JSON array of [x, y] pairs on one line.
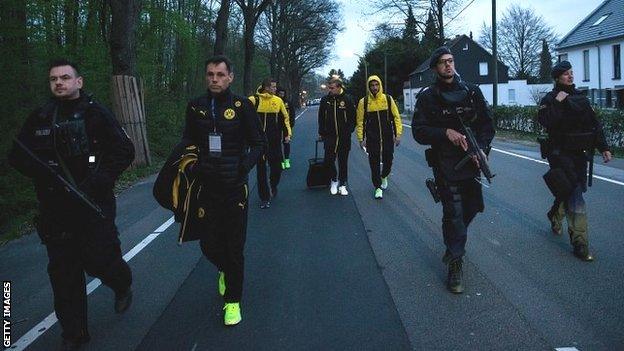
[[605, 22], [451, 44]]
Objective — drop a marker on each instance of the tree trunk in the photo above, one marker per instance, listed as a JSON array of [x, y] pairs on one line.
[[440, 15], [128, 103], [221, 27], [70, 22], [249, 52]]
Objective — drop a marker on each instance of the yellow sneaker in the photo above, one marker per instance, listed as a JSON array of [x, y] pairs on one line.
[[232, 315], [221, 283]]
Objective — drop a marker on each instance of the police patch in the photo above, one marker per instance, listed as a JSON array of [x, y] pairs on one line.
[[238, 104], [229, 113]]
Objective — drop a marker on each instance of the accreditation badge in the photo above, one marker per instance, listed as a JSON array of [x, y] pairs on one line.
[[229, 114]]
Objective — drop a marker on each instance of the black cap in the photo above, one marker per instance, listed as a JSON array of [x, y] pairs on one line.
[[559, 68], [435, 56]]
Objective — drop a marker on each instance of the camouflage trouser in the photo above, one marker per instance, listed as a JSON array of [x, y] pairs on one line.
[[574, 210]]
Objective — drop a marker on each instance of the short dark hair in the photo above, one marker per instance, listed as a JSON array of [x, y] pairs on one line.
[[215, 60], [63, 62], [266, 82], [335, 80]]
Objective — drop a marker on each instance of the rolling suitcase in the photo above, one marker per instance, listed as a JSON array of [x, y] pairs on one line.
[[318, 176]]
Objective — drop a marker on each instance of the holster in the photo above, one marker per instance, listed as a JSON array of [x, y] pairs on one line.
[[545, 147], [558, 183], [433, 189], [432, 157]]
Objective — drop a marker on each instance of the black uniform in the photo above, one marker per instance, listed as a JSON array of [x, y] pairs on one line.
[[83, 142], [336, 120], [573, 134], [223, 178], [460, 194]]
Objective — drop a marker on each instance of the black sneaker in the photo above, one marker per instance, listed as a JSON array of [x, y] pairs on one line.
[[123, 301], [582, 252], [455, 282]]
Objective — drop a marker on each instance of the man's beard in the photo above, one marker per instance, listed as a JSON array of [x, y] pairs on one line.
[[445, 76]]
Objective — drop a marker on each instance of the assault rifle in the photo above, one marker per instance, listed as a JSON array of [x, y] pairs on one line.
[[474, 150], [50, 173]]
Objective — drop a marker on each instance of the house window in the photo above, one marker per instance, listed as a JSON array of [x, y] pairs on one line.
[[585, 65], [617, 68], [483, 68], [512, 96], [600, 20], [563, 57]]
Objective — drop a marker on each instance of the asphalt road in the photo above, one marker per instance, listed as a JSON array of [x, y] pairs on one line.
[[353, 273]]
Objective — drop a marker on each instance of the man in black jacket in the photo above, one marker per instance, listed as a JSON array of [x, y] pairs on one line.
[[440, 112], [226, 129], [281, 92], [81, 141], [336, 122], [573, 134]]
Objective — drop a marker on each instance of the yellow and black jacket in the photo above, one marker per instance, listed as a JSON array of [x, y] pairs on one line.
[[273, 115], [378, 118], [336, 120]]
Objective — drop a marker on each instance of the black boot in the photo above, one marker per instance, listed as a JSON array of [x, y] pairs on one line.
[[123, 301], [455, 282], [582, 252]]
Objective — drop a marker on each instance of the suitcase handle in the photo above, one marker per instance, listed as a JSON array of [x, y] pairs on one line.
[[316, 148]]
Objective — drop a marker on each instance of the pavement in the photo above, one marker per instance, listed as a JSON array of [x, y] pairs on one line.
[[350, 272]]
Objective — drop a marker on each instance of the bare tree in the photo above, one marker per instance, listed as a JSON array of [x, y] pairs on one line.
[[221, 27], [443, 11], [520, 35], [251, 9]]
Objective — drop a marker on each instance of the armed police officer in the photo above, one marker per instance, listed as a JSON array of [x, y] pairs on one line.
[[379, 129], [336, 122], [274, 120], [573, 134], [443, 112], [73, 145], [227, 132]]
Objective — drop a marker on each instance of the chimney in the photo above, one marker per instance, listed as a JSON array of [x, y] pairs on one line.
[[470, 35]]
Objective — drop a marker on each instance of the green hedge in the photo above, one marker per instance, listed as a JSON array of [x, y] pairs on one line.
[[524, 119]]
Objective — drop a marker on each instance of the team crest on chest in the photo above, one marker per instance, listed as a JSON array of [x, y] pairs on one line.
[[229, 114], [237, 104]]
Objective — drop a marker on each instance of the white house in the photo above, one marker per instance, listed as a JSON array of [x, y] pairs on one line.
[[594, 48]]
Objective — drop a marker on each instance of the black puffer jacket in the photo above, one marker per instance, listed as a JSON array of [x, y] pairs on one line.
[[242, 138]]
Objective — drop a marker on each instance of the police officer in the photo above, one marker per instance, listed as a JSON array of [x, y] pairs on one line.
[[227, 131], [379, 130], [281, 92], [440, 111], [274, 120], [573, 134], [336, 122], [83, 143]]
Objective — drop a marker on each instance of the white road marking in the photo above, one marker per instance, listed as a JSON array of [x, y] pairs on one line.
[[51, 319], [301, 113], [566, 349], [540, 161]]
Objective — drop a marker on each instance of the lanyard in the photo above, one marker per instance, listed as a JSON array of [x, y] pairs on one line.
[[214, 114]]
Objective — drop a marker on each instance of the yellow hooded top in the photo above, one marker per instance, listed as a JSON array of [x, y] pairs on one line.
[[271, 104], [377, 103]]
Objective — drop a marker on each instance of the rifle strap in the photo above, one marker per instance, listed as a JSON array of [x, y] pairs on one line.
[[58, 156]]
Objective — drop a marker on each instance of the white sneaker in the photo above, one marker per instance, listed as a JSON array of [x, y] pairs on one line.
[[333, 189], [384, 183], [343, 190]]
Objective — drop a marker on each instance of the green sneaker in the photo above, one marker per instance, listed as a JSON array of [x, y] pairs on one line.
[[384, 183], [287, 163], [221, 283], [232, 315], [378, 193], [283, 165]]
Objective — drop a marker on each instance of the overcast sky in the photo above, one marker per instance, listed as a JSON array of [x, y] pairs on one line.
[[561, 15]]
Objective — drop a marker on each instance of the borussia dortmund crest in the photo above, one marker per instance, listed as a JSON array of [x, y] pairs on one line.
[[229, 113], [237, 104], [342, 104], [201, 213]]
